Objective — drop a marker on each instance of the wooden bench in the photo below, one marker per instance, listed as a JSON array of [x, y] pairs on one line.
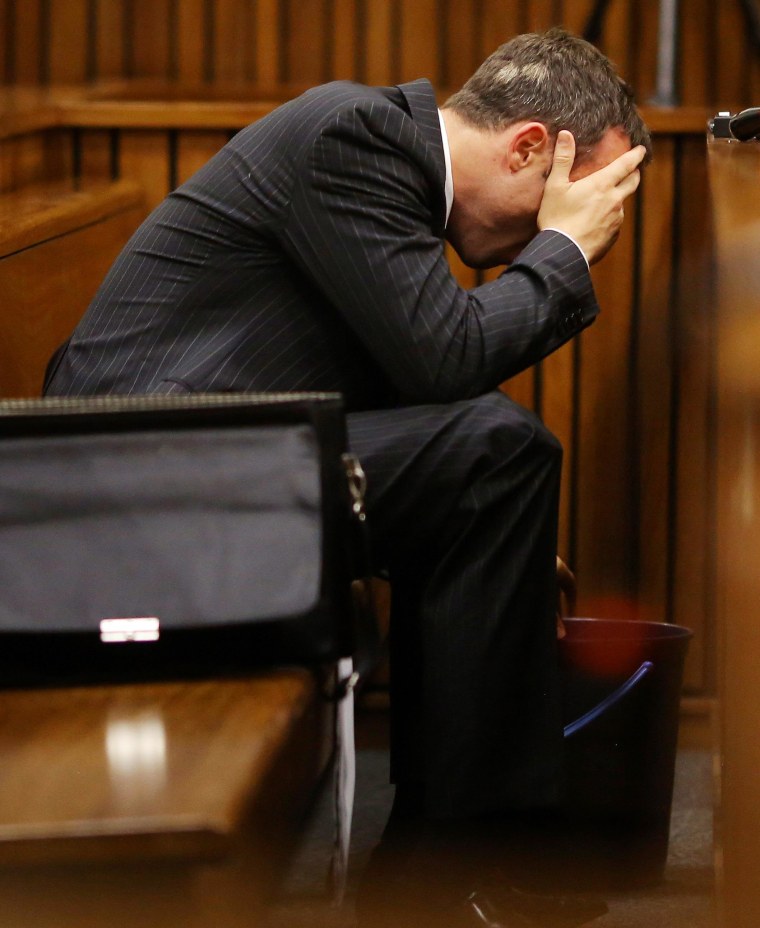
[[56, 245], [167, 804], [154, 805]]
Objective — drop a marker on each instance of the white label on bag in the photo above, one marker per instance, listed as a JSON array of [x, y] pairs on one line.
[[144, 628]]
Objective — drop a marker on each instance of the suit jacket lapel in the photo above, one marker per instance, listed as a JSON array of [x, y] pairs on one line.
[[420, 99]]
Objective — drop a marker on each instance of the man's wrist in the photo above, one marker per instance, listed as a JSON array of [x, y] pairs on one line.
[[550, 229]]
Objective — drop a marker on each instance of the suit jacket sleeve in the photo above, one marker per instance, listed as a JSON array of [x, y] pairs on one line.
[[361, 226]]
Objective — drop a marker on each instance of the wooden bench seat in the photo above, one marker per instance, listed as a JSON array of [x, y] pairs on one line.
[[154, 804], [56, 246]]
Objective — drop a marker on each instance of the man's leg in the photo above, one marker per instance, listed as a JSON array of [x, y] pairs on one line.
[[462, 502]]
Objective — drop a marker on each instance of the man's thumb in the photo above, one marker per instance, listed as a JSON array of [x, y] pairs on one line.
[[564, 153]]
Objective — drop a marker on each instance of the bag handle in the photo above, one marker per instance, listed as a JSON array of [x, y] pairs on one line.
[[609, 701], [368, 642]]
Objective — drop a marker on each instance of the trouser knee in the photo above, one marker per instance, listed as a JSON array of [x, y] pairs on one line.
[[505, 431]]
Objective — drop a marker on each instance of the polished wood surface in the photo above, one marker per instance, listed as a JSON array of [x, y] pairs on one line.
[[161, 804], [735, 190], [149, 770]]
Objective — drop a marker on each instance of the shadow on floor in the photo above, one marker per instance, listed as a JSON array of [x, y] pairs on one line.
[[684, 899]]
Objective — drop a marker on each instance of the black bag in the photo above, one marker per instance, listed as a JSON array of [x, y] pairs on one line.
[[156, 536]]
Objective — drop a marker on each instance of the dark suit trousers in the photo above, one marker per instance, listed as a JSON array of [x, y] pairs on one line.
[[462, 503]]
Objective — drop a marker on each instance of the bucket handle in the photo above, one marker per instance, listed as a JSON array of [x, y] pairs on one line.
[[608, 701]]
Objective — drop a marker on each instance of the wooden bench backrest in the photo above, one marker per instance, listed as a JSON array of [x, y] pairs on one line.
[[55, 248]]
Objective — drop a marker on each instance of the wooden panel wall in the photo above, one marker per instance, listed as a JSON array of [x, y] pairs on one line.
[[295, 41]]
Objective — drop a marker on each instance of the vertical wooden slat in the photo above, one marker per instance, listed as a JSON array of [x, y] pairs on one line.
[[109, 39], [644, 50], [21, 161], [753, 68], [35, 158], [267, 44], [26, 65], [461, 53], [730, 80], [151, 42], [190, 39], [194, 149], [617, 45], [692, 590], [7, 28], [58, 162], [575, 14], [379, 18], [501, 22], [234, 40], [144, 157], [420, 52], [95, 148], [68, 41], [540, 15], [344, 44], [653, 380], [306, 41], [557, 412], [693, 51], [606, 532]]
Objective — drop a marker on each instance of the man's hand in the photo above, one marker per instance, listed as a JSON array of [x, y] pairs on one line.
[[590, 210]]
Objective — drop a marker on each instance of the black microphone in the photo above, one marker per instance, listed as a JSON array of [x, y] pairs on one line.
[[745, 125]]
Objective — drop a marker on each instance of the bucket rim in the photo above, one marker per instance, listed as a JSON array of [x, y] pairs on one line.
[[655, 630]]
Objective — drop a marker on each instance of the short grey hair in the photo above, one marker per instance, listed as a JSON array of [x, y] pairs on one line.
[[557, 79]]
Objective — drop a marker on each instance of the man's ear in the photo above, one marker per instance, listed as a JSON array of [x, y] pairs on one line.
[[528, 143]]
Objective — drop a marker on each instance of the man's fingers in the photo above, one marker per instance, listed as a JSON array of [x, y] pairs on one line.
[[622, 167], [629, 184], [564, 155]]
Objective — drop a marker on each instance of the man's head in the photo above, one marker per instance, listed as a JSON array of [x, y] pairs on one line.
[[503, 127], [556, 79]]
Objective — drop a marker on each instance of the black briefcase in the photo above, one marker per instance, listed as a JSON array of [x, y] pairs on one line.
[[154, 536]]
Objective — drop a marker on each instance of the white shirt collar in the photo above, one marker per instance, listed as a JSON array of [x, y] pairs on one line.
[[449, 186]]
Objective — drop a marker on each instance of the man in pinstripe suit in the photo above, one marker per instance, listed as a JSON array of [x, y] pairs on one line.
[[309, 254]]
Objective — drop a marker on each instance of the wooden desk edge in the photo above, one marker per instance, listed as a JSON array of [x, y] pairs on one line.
[[272, 788]]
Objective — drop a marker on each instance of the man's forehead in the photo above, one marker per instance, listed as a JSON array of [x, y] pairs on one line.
[[612, 145]]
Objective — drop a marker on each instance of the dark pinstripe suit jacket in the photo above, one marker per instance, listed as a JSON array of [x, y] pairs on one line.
[[309, 254]]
